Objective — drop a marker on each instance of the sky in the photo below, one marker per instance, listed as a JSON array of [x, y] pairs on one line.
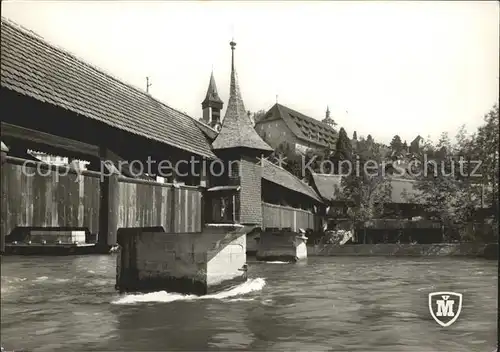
[[383, 68]]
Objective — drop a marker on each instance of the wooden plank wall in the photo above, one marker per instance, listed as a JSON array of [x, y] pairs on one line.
[[147, 204], [277, 216], [48, 198]]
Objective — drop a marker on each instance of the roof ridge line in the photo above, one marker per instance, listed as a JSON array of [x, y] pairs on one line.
[[279, 167], [306, 116], [204, 124], [309, 187], [100, 70]]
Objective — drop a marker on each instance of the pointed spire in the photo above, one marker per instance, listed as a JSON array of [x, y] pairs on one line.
[[212, 93], [237, 129], [327, 115]]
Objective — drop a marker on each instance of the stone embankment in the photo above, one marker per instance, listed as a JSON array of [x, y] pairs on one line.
[[488, 251]]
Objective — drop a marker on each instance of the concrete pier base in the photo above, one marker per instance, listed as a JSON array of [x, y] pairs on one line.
[[190, 263], [281, 246]]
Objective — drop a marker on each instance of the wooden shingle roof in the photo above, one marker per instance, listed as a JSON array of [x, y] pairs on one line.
[[274, 173], [33, 67], [208, 131], [303, 127], [237, 130]]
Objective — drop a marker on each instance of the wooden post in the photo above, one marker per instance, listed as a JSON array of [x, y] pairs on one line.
[[4, 152], [108, 211], [234, 208], [108, 206], [173, 210], [113, 208], [202, 209]]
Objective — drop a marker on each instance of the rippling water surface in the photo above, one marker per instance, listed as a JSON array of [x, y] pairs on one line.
[[326, 304]]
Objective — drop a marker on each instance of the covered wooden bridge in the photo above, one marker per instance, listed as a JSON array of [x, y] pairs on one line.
[[57, 104]]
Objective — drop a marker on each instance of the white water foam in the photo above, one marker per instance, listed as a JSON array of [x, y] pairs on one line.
[[41, 278], [251, 285], [241, 299], [11, 280], [277, 262], [62, 280]]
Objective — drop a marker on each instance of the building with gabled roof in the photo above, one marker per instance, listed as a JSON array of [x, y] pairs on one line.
[[329, 187], [283, 124]]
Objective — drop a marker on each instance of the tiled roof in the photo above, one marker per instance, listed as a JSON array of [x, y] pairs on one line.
[[207, 130], [282, 177], [33, 67], [302, 126], [329, 187], [237, 130]]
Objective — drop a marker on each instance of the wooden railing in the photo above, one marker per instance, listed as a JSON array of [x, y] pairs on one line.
[[178, 209], [35, 194], [282, 217], [40, 195], [402, 224]]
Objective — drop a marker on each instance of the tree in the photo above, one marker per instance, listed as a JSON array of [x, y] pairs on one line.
[[437, 192], [365, 189], [485, 148], [259, 115], [355, 136], [292, 161], [447, 186], [396, 144], [343, 151], [396, 147]]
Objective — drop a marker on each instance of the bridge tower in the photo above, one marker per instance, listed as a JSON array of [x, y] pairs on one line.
[[239, 147], [212, 105]]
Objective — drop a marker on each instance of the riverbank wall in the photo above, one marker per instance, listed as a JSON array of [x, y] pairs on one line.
[[487, 251]]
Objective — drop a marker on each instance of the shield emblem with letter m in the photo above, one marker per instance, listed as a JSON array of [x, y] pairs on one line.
[[445, 307]]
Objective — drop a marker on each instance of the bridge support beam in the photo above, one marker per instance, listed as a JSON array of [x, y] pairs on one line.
[[287, 246], [189, 263]]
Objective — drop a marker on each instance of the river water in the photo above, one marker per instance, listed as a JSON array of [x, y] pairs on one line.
[[326, 304]]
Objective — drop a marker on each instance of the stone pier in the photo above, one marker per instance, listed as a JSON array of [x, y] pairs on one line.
[[281, 246], [189, 263]]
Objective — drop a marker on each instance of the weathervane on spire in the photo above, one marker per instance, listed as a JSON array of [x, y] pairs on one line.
[[148, 84], [233, 45]]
